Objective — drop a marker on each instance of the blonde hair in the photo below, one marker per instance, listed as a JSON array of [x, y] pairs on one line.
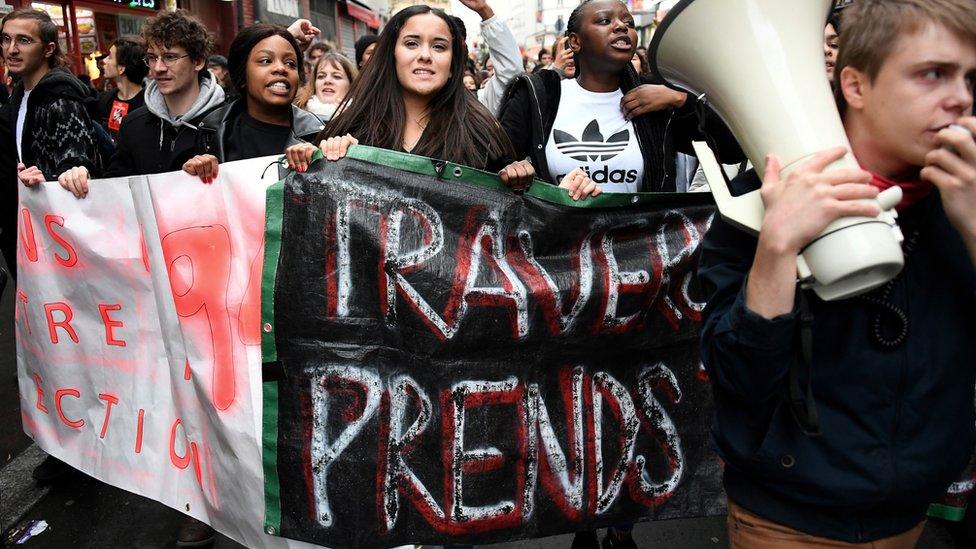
[[334, 58], [870, 30]]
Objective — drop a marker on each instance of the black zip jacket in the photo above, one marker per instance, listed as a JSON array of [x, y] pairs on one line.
[[58, 133], [897, 424], [214, 129], [148, 144], [529, 110]]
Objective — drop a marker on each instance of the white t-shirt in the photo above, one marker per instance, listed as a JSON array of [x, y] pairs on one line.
[[590, 132], [21, 116]]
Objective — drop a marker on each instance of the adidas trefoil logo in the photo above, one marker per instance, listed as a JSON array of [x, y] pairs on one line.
[[592, 146]]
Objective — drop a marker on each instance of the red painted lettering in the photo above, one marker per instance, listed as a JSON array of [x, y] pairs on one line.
[[64, 323], [71, 257], [28, 244], [58, 395], [204, 289], [40, 393], [110, 324], [110, 400]]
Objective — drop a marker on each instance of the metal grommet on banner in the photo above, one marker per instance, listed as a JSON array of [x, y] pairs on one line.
[[634, 199], [267, 327], [539, 146], [787, 461], [270, 530], [457, 171]]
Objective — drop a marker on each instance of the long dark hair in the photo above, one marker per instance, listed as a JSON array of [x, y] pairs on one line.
[[244, 42], [460, 129], [628, 76]]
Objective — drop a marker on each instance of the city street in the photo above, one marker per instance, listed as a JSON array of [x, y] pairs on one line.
[[81, 512]]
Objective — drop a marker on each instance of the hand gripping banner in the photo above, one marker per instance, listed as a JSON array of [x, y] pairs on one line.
[[446, 360]]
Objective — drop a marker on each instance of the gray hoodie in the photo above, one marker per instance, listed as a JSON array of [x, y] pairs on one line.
[[211, 95]]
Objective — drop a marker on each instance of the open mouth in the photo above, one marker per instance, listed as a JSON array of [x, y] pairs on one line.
[[423, 72], [279, 87], [622, 43]]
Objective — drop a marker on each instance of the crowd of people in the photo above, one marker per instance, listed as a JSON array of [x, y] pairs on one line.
[[895, 422]]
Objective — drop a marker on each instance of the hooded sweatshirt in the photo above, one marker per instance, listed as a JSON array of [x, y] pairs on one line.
[[151, 140], [58, 132]]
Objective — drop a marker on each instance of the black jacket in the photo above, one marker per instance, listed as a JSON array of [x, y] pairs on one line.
[[215, 127], [148, 144], [58, 133], [529, 110], [897, 423]]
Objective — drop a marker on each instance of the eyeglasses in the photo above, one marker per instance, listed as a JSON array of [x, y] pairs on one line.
[[22, 41], [167, 58]]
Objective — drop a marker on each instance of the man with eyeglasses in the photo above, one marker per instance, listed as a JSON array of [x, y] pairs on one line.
[[161, 136], [47, 116]]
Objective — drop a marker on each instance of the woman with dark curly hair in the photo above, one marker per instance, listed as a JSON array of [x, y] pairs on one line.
[[266, 69]]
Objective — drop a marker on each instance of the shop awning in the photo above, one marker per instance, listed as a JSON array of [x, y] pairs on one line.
[[363, 13]]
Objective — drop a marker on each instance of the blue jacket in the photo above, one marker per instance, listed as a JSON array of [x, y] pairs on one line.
[[897, 425]]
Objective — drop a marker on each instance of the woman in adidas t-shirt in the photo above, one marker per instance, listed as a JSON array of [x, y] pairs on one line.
[[602, 131]]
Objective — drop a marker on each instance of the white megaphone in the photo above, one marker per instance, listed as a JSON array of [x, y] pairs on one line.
[[759, 65]]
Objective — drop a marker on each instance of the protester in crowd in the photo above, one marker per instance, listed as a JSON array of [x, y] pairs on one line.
[[502, 47], [471, 82], [52, 128], [162, 136], [266, 67], [564, 63], [831, 43], [640, 64], [125, 66], [365, 46], [606, 104], [410, 98], [312, 56], [840, 422], [218, 66], [334, 74], [544, 58]]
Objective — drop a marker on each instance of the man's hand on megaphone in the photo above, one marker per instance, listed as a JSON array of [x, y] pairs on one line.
[[650, 98], [952, 168], [798, 209], [801, 206]]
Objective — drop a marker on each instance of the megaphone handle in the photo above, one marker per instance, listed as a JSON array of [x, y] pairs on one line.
[[744, 211]]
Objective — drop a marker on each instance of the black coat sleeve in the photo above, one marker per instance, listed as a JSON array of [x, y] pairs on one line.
[[516, 118]]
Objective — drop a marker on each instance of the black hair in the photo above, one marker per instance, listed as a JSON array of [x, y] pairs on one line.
[[459, 128], [244, 42], [362, 43], [834, 20], [461, 26], [47, 31], [542, 51], [131, 55], [628, 76], [218, 60]]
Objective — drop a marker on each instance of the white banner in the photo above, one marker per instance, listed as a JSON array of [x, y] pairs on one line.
[[138, 337]]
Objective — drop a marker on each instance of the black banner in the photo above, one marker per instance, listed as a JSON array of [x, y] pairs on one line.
[[458, 363]]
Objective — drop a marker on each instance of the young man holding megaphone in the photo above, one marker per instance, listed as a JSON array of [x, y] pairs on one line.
[[841, 421]]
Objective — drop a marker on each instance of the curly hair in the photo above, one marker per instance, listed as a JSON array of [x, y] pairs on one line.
[[179, 28]]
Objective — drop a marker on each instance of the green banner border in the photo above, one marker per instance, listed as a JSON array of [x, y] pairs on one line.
[[274, 198], [947, 512], [539, 189]]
